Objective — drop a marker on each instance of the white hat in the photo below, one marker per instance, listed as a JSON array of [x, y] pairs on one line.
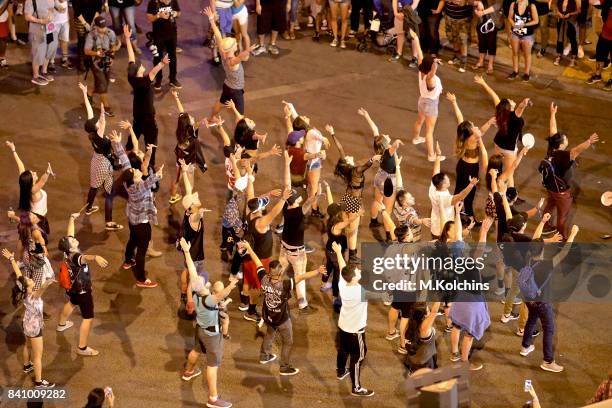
[[190, 199], [228, 43]]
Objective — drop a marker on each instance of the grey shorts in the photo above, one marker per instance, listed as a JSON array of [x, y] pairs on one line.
[[42, 51], [380, 178], [428, 107], [212, 346], [526, 39]]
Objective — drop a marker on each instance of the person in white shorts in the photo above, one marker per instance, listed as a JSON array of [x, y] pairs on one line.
[[62, 31], [240, 21]]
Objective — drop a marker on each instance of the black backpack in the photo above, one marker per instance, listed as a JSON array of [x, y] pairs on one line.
[[550, 180]]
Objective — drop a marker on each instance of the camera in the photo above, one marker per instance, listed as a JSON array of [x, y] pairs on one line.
[[105, 61], [150, 44]]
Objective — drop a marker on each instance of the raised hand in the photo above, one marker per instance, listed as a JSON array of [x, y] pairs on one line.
[[479, 80], [115, 137], [10, 145], [125, 124], [7, 254], [127, 32], [83, 87], [451, 97], [553, 108], [160, 171], [594, 138], [208, 12], [473, 180], [329, 129], [165, 60], [185, 246], [546, 217]]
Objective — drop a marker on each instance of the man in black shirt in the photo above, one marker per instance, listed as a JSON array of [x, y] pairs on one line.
[[143, 109], [79, 293], [277, 292], [163, 14]]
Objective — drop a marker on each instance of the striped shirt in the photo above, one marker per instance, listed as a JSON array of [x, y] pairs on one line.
[[458, 10]]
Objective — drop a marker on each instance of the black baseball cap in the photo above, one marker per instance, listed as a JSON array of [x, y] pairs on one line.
[[100, 22]]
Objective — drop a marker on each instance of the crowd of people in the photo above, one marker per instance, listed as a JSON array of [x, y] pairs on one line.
[[265, 279]]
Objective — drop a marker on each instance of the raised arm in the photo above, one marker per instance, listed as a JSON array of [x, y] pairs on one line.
[[453, 100], [287, 171], [366, 116], [70, 229], [153, 72], [288, 120], [538, 231], [278, 207], [399, 181], [186, 182], [520, 109], [575, 152], [457, 224], [436, 166], [328, 194], [480, 81], [461, 196], [20, 166], [127, 34], [331, 132], [484, 155], [558, 258], [42, 180], [338, 250], [115, 139], [311, 274], [11, 257], [429, 320], [510, 171], [232, 107], [179, 105], [90, 112], [124, 124], [553, 119]]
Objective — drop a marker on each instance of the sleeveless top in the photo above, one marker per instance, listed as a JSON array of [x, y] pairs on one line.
[[526, 17], [262, 242], [433, 94], [234, 78], [40, 207]]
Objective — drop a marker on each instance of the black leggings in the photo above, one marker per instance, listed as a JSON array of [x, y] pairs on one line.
[[429, 33], [136, 248], [108, 202], [565, 29], [333, 270], [3, 47], [464, 170], [356, 6]]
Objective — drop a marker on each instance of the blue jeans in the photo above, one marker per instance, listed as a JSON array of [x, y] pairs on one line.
[[294, 11], [124, 15], [544, 312]]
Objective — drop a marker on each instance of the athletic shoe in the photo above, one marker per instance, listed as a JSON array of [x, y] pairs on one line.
[[46, 316], [500, 291], [316, 37], [243, 307], [43, 384], [28, 368], [175, 84], [66, 326], [93, 209], [593, 79], [507, 317], [525, 77], [454, 61], [128, 264], [402, 350], [113, 226], [519, 332], [463, 67], [260, 49], [552, 367], [392, 336], [153, 253], [512, 76], [310, 22], [308, 249], [157, 86], [334, 43], [179, 50], [51, 68], [267, 359], [48, 77], [535, 333], [342, 376], [66, 64], [147, 284], [557, 60], [608, 86], [253, 317], [189, 375], [40, 81], [279, 228], [175, 198], [567, 49], [525, 351], [342, 44], [3, 63], [88, 352], [475, 366], [455, 357], [296, 26], [374, 223], [352, 33], [541, 53], [395, 57], [218, 403], [273, 49], [325, 286], [517, 301], [362, 392], [306, 310], [289, 370], [418, 140]]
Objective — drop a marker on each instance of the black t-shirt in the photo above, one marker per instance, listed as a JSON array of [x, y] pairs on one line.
[[293, 232], [425, 6], [387, 162], [507, 141], [195, 238], [542, 270], [563, 164], [502, 226], [143, 93], [79, 274], [276, 300], [87, 8], [163, 28], [121, 3], [331, 238], [101, 145], [514, 249]]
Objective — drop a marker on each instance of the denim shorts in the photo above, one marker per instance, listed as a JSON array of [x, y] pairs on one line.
[[314, 164]]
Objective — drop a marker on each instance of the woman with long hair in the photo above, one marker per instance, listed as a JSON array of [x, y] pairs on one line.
[[567, 12], [523, 18], [98, 396], [33, 322], [421, 335], [188, 149], [32, 197], [471, 152], [510, 123]]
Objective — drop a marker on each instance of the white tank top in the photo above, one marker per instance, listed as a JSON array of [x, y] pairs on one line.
[[434, 94], [40, 207]]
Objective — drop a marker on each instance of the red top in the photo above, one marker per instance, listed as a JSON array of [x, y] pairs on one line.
[[606, 31], [298, 163]]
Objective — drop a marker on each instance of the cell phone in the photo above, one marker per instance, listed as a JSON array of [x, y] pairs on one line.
[[527, 385], [108, 391]]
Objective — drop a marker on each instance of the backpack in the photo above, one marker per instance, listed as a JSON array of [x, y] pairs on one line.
[[64, 279], [550, 180], [527, 283]]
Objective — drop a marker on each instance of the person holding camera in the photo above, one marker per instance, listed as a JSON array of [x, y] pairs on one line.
[[85, 11], [39, 13], [162, 14], [101, 44]]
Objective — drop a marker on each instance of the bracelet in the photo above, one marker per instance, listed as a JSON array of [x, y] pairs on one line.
[[12, 258]]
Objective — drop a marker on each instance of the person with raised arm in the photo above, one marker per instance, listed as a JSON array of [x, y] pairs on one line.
[[208, 300], [33, 323], [32, 196], [422, 352], [162, 14], [141, 212], [80, 292]]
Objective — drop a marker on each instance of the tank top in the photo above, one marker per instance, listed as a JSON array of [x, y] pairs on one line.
[[387, 162], [262, 243], [234, 78], [40, 207], [293, 232], [433, 94], [526, 17], [195, 238], [331, 238]]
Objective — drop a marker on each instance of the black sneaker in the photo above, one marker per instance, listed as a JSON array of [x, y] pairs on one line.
[[413, 63], [316, 37], [43, 384], [66, 64], [512, 76], [594, 79], [28, 368], [549, 231], [289, 370], [175, 84], [253, 317], [535, 333], [395, 57], [279, 229], [51, 68], [342, 376], [525, 77], [448, 329], [608, 86], [267, 359], [374, 223], [362, 392]]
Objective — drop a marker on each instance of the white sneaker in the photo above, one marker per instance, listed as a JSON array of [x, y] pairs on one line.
[[88, 352], [567, 49], [66, 326], [525, 351], [392, 336], [418, 140]]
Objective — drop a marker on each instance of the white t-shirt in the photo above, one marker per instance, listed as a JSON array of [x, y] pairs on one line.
[[354, 311], [61, 17], [440, 200]]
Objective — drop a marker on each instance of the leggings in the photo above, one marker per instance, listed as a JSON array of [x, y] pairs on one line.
[[464, 170], [2, 47], [333, 270], [108, 202], [566, 30], [356, 6]]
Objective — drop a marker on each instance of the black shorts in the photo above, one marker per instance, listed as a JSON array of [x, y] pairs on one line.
[[603, 51], [272, 17], [236, 95], [404, 307], [228, 238], [146, 126], [84, 301], [101, 80], [487, 43]]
